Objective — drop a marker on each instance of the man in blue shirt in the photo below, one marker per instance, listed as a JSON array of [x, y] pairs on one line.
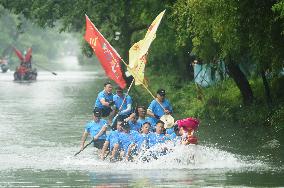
[[118, 98], [122, 104], [142, 142], [132, 120], [127, 140], [157, 137], [97, 129], [104, 100], [155, 109], [112, 138], [141, 111]]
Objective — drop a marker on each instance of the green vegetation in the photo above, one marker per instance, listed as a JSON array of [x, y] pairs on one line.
[[18, 32], [246, 35], [218, 103]]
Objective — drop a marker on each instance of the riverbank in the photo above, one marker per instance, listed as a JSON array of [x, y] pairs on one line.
[[218, 103]]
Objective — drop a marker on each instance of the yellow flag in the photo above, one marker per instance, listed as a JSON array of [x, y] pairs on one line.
[[138, 52], [136, 64]]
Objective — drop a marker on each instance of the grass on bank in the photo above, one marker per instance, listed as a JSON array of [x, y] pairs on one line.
[[217, 103]]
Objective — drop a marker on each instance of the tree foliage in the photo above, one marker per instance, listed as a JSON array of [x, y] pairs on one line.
[[18, 32], [246, 32]]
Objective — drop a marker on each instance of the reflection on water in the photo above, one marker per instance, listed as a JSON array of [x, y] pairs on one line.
[[41, 127]]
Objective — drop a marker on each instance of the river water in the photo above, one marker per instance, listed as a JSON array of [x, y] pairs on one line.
[[41, 124]]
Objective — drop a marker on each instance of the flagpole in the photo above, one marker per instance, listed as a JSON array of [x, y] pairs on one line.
[[124, 62], [126, 95], [113, 120], [144, 86], [149, 36]]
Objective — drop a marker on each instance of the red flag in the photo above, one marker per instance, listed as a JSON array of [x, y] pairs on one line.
[[107, 55], [19, 54], [28, 55]]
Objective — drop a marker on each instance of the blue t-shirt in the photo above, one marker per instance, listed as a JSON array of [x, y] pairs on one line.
[[156, 108], [118, 101], [155, 138], [125, 139], [112, 138], [103, 95], [149, 120], [134, 126], [176, 139], [93, 128], [142, 139], [170, 130]]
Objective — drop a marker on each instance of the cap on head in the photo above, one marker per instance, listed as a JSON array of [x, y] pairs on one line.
[[161, 92], [125, 125], [120, 118], [97, 112]]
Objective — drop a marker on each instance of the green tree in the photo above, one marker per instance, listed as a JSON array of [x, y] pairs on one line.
[[20, 33], [235, 31], [129, 18]]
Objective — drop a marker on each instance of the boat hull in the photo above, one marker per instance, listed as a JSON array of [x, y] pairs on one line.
[[29, 75]]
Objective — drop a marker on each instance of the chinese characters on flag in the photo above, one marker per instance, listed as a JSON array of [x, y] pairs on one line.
[[106, 54], [138, 52]]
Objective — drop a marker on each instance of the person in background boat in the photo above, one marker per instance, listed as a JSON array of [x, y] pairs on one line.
[[112, 138], [4, 64], [20, 72], [187, 127], [104, 101], [155, 110], [29, 63], [97, 129]]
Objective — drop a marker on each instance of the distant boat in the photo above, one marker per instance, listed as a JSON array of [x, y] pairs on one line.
[[23, 73], [25, 70], [4, 65], [4, 68]]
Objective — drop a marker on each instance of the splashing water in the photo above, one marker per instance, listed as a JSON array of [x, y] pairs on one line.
[[180, 157]]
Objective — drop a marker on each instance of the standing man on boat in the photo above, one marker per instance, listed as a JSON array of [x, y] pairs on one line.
[[122, 103], [97, 129], [104, 100], [155, 110]]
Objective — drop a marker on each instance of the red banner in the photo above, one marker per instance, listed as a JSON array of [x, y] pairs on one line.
[[19, 54], [106, 54], [28, 55]]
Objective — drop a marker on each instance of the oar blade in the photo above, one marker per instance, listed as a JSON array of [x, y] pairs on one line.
[[77, 153]]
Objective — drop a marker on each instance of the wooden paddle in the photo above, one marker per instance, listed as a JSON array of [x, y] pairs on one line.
[[84, 147], [54, 73]]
